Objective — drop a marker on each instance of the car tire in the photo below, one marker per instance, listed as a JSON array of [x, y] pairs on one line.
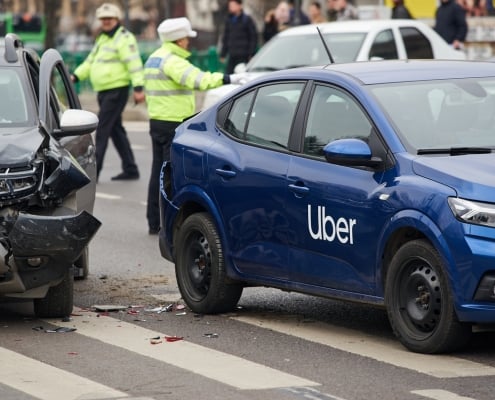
[[200, 268], [419, 302], [59, 300], [81, 265]]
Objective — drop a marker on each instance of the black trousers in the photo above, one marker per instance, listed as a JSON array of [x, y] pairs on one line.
[[162, 133], [112, 103], [232, 61]]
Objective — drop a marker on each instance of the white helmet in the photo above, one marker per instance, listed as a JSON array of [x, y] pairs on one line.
[[108, 10], [173, 29]]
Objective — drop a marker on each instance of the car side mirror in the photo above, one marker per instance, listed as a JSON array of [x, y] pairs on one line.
[[351, 152], [77, 122]]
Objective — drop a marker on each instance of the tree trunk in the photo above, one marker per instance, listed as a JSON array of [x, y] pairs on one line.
[[52, 17]]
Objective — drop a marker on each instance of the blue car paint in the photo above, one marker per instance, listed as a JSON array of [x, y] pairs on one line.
[[268, 244]]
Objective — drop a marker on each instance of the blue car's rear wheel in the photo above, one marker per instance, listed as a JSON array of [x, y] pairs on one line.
[[419, 302], [200, 268]]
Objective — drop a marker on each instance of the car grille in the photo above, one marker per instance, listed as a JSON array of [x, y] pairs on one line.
[[17, 183]]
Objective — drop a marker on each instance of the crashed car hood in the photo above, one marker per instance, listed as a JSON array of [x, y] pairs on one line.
[[18, 146], [472, 175]]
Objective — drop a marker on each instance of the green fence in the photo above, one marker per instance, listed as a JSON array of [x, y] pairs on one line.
[[207, 60]]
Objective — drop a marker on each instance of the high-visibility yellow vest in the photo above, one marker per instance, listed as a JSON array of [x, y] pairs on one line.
[[113, 62], [170, 81]]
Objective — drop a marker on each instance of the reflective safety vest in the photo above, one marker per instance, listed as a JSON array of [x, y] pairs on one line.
[[113, 62], [170, 81]]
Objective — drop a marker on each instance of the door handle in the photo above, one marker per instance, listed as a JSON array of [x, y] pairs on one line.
[[226, 173]]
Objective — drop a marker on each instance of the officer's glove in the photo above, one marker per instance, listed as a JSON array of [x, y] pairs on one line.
[[238, 79]]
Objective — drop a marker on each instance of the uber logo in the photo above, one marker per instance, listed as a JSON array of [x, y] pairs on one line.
[[328, 229]]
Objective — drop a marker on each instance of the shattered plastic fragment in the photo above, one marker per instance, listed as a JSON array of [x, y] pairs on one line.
[[61, 329], [155, 340], [38, 328], [173, 338], [211, 335], [109, 307]]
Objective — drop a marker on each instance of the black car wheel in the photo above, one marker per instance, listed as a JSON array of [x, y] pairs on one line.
[[419, 302], [59, 300], [200, 268]]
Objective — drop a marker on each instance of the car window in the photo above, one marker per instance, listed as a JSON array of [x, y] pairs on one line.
[[13, 108], [333, 115], [265, 117], [417, 45], [384, 46]]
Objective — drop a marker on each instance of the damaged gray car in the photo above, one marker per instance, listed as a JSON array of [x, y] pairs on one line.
[[47, 180]]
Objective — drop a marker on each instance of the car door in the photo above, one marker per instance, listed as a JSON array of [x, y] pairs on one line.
[[333, 208], [247, 170], [56, 95]]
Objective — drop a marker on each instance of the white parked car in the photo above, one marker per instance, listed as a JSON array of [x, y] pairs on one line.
[[348, 41]]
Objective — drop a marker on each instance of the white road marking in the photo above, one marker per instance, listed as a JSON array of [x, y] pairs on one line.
[[213, 364], [31, 377], [384, 350], [106, 196], [438, 394]]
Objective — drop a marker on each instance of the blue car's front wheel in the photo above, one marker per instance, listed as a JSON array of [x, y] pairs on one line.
[[419, 303], [200, 267]]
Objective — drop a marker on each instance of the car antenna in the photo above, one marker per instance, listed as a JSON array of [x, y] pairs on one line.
[[326, 47]]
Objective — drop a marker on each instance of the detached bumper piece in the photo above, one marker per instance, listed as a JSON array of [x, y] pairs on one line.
[[45, 246]]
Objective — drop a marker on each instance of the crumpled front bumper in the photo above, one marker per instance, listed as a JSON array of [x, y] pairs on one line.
[[42, 248]]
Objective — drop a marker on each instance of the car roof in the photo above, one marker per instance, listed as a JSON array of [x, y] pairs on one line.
[[392, 71], [351, 26]]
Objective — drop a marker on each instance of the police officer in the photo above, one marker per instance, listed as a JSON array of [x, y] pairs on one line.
[[170, 81], [112, 66]]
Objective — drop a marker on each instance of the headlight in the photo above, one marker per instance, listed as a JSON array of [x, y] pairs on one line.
[[473, 212]]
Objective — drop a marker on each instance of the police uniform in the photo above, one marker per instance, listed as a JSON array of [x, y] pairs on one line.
[[112, 66], [170, 82]]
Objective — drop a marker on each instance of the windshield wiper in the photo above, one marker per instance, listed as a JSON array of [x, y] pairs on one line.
[[456, 151], [264, 68]]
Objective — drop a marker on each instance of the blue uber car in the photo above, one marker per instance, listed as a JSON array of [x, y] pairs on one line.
[[371, 182]]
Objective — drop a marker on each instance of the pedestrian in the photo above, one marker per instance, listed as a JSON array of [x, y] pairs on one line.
[[451, 24], [400, 11], [296, 15], [282, 15], [112, 66], [342, 10], [170, 81], [315, 13], [240, 37], [270, 25]]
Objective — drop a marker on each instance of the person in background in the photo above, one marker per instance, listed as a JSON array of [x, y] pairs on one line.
[[400, 11], [451, 24], [342, 10], [113, 65], [270, 25], [170, 82], [282, 15], [240, 38], [315, 14], [297, 17]]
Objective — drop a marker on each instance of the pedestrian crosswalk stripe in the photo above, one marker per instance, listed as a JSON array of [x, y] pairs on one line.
[[381, 349], [213, 364], [438, 394], [36, 378]]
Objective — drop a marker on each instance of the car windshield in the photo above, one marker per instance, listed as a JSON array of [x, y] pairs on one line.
[[442, 115], [13, 110], [283, 52]]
